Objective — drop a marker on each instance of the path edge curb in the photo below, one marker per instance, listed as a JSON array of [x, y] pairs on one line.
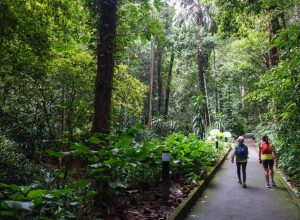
[[181, 211], [284, 182]]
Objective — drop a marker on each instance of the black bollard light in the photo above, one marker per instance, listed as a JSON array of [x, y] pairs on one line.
[[217, 144], [165, 174]]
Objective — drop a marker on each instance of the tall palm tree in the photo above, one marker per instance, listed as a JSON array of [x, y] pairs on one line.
[[193, 12]]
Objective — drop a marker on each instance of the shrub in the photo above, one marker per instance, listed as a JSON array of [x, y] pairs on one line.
[[15, 167], [191, 156], [35, 202]]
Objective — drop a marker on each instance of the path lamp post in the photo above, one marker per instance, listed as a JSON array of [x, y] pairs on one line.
[[165, 175], [217, 144]]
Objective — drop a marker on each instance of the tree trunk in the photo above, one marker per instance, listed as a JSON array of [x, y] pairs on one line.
[[107, 11], [266, 57], [168, 88], [242, 94], [63, 113], [69, 118], [106, 28], [202, 84], [217, 95], [273, 29], [159, 80], [47, 116], [152, 58]]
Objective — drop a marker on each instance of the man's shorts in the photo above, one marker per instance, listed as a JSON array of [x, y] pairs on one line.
[[268, 163]]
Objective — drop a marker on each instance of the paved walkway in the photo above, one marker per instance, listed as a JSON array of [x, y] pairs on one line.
[[225, 199]]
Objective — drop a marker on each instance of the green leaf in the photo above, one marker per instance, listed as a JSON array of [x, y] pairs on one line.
[[125, 141], [98, 171], [91, 194], [81, 183], [61, 192], [4, 205], [81, 149], [103, 152], [38, 200], [18, 197], [110, 161], [195, 154], [144, 153], [94, 140], [14, 187], [34, 194], [26, 189], [57, 154]]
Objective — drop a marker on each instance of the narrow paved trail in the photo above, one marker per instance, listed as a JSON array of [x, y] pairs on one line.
[[225, 199]]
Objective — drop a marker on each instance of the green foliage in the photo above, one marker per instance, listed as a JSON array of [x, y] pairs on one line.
[[278, 90], [191, 156], [129, 30], [232, 14], [130, 162], [121, 167], [15, 167], [19, 26], [32, 202], [198, 120], [129, 92], [127, 163], [289, 157], [271, 91], [42, 78]]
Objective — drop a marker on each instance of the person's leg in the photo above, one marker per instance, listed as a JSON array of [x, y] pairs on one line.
[[266, 168], [244, 165], [238, 166], [271, 165]]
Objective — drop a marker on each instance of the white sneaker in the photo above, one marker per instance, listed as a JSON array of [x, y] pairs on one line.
[[268, 185]]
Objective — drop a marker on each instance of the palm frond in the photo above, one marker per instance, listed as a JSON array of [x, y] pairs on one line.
[[191, 12]]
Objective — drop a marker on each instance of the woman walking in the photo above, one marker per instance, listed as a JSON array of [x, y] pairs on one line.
[[241, 154], [266, 151]]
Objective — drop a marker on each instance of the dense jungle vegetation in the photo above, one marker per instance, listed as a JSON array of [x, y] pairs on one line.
[[92, 92]]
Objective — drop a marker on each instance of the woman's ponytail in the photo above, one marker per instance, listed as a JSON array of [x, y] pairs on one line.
[[265, 139]]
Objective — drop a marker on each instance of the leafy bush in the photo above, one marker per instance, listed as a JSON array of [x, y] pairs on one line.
[[138, 164], [191, 156], [286, 143], [35, 202], [289, 162], [14, 167], [238, 127], [128, 163], [289, 153]]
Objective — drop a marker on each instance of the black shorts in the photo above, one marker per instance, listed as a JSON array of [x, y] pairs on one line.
[[268, 163]]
